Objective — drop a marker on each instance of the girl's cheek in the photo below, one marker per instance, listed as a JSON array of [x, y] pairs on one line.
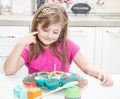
[[56, 38], [37, 29], [38, 34]]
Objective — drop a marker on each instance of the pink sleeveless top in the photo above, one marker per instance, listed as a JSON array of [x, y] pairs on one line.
[[45, 61]]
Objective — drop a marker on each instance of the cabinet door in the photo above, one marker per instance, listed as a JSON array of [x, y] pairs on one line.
[[9, 35], [111, 50], [84, 37]]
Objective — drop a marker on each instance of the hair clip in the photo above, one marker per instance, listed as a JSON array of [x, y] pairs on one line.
[[45, 10]]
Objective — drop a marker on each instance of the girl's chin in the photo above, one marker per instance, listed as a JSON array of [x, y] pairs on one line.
[[46, 44]]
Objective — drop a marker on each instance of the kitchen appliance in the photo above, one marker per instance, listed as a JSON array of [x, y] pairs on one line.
[[80, 8], [36, 4]]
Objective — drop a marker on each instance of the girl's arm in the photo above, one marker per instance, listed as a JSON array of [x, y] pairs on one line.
[[92, 70], [14, 61]]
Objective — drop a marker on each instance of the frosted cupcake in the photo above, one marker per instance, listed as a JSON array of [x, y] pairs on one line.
[[40, 80], [72, 93], [52, 83], [65, 80]]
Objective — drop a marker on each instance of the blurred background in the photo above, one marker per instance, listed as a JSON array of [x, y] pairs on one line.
[[93, 24]]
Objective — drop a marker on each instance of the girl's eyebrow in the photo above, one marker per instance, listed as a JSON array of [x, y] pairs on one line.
[[57, 29]]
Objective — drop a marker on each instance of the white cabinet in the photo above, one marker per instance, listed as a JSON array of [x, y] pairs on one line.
[[9, 35], [85, 38], [108, 49], [100, 45]]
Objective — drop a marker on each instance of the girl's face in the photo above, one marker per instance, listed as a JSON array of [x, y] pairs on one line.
[[49, 35]]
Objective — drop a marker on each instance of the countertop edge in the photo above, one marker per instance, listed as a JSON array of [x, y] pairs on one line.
[[86, 21]]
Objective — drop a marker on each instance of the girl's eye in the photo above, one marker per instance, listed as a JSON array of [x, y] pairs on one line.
[[45, 30], [56, 32]]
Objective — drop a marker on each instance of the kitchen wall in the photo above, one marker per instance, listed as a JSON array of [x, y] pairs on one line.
[[98, 6], [103, 6], [112, 5], [21, 7]]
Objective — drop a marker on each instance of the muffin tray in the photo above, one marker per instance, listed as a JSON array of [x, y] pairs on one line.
[[52, 80]]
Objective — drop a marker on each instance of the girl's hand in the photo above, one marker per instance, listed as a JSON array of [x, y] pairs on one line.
[[29, 38], [106, 79]]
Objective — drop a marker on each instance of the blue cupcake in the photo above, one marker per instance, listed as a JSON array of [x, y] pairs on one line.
[[40, 80], [65, 79], [52, 83], [70, 74]]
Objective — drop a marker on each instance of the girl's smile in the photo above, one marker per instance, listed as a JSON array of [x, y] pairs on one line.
[[49, 35]]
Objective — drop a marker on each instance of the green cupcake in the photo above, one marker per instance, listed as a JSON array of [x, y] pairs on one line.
[[72, 93]]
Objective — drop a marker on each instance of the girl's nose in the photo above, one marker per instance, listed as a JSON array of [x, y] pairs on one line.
[[49, 35]]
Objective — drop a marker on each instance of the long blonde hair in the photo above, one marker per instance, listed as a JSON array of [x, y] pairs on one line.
[[50, 14]]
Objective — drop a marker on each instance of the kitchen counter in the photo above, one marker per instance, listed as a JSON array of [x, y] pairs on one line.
[[93, 90], [15, 20], [91, 20], [78, 20]]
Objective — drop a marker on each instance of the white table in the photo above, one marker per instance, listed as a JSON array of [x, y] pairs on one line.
[[93, 90]]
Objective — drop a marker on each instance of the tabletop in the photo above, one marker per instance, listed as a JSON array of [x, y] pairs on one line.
[[93, 90]]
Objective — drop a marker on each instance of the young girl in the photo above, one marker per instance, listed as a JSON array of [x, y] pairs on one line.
[[47, 46]]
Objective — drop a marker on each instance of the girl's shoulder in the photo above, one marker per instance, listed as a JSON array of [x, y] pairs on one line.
[[71, 45], [69, 42], [26, 49]]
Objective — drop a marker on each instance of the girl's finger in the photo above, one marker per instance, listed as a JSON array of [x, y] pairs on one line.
[[100, 76], [109, 82], [33, 33], [103, 78]]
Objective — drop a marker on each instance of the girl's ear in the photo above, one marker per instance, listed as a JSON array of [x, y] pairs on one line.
[[36, 28]]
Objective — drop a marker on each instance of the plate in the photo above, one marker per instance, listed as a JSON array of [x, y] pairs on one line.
[[52, 80]]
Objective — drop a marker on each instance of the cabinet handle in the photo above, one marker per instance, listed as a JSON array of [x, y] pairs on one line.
[[114, 33], [3, 56], [7, 37], [81, 33], [76, 31]]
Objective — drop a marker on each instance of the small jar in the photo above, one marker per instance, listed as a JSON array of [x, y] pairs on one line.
[[34, 92], [6, 7]]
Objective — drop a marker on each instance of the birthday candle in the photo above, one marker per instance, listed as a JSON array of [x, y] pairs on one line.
[[55, 69]]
